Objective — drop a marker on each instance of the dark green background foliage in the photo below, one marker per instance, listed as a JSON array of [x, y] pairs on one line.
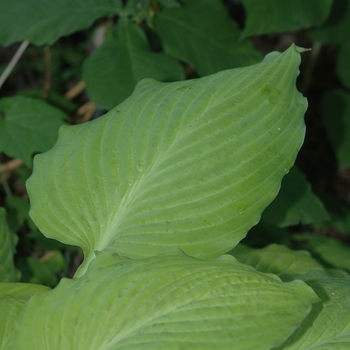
[[111, 45]]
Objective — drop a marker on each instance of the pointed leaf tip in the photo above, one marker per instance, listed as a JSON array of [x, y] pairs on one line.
[[187, 165]]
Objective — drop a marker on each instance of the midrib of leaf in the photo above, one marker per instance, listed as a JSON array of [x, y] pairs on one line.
[[138, 188]]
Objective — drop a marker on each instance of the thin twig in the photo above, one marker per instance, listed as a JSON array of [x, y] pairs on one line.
[[10, 165], [13, 62], [75, 90]]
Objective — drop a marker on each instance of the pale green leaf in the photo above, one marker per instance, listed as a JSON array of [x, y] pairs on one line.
[[276, 16], [13, 297], [276, 259], [8, 240], [336, 116], [27, 126], [203, 34], [295, 203], [187, 165], [44, 21], [328, 325], [164, 302], [113, 70]]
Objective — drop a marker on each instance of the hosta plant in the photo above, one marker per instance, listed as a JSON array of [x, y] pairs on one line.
[[156, 193]]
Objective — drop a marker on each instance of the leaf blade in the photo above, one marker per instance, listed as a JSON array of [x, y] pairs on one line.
[[168, 301], [114, 69], [177, 165], [46, 21], [28, 125]]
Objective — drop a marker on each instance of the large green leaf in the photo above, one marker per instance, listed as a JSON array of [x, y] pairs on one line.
[[164, 302], [203, 34], [114, 69], [328, 325], [276, 16], [295, 203], [44, 21], [8, 240], [336, 116], [13, 297], [27, 126], [187, 165]]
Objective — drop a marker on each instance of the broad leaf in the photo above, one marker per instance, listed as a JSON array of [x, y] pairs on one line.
[[203, 34], [187, 165], [44, 21], [8, 240], [328, 325], [13, 297], [164, 302], [276, 16], [336, 116], [27, 126], [114, 69], [295, 203], [276, 259]]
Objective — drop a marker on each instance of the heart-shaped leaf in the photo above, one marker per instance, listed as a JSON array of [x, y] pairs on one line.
[[188, 165], [164, 302]]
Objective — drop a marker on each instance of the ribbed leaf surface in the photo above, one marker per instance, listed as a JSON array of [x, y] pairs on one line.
[[187, 165], [13, 298], [276, 259], [164, 302], [328, 325]]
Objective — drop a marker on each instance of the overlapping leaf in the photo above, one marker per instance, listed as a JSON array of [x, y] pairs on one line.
[[187, 165], [271, 16], [295, 203], [276, 259], [27, 126], [165, 302], [328, 324], [112, 71], [13, 298], [203, 29], [44, 21]]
